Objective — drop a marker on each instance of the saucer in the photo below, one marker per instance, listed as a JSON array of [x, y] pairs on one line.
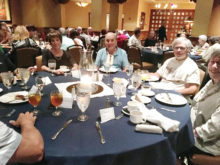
[[143, 99], [148, 93], [125, 110], [1, 90]]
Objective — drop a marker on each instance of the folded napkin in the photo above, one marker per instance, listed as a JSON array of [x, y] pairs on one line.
[[75, 73], [68, 98], [166, 123], [46, 80], [162, 85], [148, 128]]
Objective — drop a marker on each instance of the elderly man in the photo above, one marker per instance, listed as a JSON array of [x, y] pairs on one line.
[[112, 55], [26, 147], [180, 72], [66, 41], [134, 39]]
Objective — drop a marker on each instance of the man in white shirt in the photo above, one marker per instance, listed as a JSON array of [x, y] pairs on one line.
[[180, 73], [134, 41], [26, 147], [66, 41]]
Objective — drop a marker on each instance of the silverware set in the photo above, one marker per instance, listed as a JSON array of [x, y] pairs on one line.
[[100, 132], [9, 114]]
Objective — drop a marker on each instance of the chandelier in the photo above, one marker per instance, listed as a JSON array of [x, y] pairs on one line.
[[166, 6], [82, 3]]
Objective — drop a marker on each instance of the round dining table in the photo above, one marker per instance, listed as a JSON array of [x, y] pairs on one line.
[[79, 143]]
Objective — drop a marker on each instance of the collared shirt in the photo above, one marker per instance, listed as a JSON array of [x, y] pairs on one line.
[[66, 42], [120, 58], [133, 41], [205, 117], [9, 142]]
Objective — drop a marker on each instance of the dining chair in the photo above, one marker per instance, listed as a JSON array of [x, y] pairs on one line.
[[125, 45], [25, 57], [39, 62], [167, 55], [134, 57], [74, 51], [199, 159]]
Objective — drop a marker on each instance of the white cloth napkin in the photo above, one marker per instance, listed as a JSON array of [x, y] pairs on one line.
[[162, 85], [68, 98], [46, 80], [148, 128], [166, 123]]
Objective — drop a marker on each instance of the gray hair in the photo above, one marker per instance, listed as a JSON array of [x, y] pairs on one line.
[[62, 31], [214, 54], [203, 37], [182, 39]]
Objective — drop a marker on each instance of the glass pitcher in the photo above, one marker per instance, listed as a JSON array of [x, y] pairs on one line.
[[86, 60]]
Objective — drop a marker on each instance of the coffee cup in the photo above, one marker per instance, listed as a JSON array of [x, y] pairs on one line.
[[132, 105], [137, 117], [63, 67]]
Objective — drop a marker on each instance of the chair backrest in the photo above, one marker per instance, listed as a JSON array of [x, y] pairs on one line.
[[167, 55], [25, 57], [74, 51], [200, 159], [101, 43], [125, 45], [134, 55], [39, 62], [202, 75]]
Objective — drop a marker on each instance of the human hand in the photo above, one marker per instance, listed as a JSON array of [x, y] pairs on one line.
[[24, 119], [58, 72]]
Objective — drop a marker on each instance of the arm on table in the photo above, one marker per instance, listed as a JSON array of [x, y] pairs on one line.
[[189, 89], [31, 147]]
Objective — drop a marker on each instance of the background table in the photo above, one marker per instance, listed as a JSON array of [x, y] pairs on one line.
[[80, 143]]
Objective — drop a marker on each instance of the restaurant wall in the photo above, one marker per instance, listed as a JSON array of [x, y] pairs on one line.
[[15, 6], [144, 6], [214, 24], [131, 14]]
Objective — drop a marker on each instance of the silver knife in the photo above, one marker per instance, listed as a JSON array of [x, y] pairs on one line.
[[61, 129], [100, 132]]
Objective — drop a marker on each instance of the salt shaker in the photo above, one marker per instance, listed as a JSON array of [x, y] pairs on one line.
[[107, 103]]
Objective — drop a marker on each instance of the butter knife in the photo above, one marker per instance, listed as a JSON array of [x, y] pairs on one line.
[[61, 129], [169, 98], [100, 132]]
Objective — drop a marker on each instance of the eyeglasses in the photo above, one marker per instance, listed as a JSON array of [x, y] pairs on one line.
[[215, 62], [181, 48]]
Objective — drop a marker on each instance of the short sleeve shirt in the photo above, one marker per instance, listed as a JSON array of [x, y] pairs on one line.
[[9, 142]]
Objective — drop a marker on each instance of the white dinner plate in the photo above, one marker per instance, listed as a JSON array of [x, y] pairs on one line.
[[171, 99], [144, 99], [145, 92], [112, 70], [1, 90], [125, 110], [9, 98], [149, 77]]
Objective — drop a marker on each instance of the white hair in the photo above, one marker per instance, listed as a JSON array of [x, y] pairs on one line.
[[203, 37], [182, 39]]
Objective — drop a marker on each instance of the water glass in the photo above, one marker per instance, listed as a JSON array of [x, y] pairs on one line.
[[7, 79], [119, 90], [25, 76], [52, 65]]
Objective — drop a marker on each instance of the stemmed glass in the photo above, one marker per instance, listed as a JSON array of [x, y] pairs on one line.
[[129, 71], [83, 100], [107, 70], [25, 76], [34, 97], [119, 90], [40, 84], [56, 99], [7, 79], [52, 65]]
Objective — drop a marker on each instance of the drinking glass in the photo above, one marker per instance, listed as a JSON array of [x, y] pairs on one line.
[[7, 79], [119, 90], [129, 70], [107, 70], [136, 81], [25, 76], [56, 99], [34, 98], [40, 84], [52, 65], [83, 100]]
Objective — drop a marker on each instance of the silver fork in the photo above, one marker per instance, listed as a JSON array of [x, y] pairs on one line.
[[119, 116]]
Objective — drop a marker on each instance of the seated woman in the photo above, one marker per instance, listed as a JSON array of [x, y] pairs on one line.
[[20, 40], [5, 33], [180, 72], [60, 56], [205, 112], [113, 55]]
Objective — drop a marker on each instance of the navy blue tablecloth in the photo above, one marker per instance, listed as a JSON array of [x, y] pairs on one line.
[[79, 143]]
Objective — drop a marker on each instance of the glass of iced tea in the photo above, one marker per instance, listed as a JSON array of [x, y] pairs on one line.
[[56, 99], [34, 98]]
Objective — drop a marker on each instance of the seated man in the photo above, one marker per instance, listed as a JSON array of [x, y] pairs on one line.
[[134, 39], [26, 147], [180, 72], [113, 55], [150, 40], [205, 112]]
